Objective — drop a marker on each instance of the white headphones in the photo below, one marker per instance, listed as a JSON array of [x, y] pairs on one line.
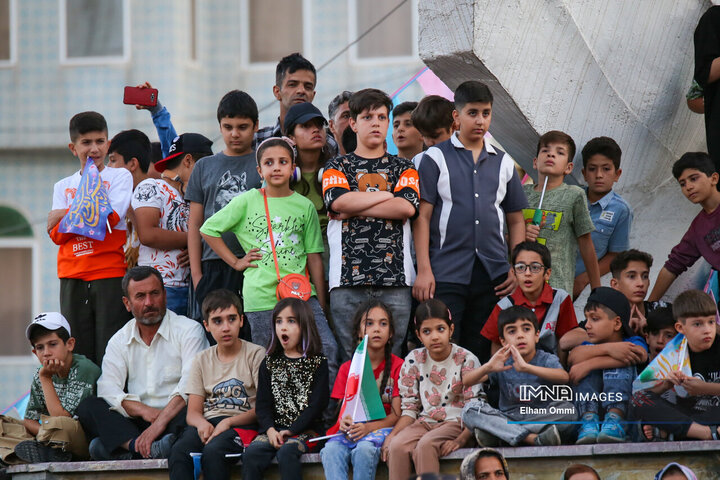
[[297, 175]]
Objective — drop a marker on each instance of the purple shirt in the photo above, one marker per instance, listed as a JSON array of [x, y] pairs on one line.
[[701, 240]]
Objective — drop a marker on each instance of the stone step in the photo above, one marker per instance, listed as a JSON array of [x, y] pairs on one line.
[[626, 461]]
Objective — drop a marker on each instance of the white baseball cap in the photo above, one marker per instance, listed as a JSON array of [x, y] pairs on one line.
[[49, 320]]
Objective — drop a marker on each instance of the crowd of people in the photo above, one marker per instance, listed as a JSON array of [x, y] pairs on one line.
[[231, 289]]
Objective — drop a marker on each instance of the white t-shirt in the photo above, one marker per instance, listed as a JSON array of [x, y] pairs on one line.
[[174, 214], [117, 182]]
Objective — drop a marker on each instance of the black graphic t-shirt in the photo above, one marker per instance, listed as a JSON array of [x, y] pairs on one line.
[[367, 251], [705, 365]]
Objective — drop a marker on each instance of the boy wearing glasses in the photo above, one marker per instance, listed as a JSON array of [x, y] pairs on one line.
[[559, 330]]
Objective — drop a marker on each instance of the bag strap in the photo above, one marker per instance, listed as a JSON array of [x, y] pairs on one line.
[[272, 240]]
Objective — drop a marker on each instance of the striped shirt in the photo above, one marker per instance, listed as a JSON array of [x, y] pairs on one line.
[[470, 201]]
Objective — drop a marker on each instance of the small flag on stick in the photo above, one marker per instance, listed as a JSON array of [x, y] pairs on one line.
[[362, 398], [673, 357], [89, 211]]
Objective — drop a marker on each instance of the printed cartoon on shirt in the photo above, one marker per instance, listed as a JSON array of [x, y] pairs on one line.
[[550, 221], [373, 182], [228, 187], [228, 395], [175, 211]]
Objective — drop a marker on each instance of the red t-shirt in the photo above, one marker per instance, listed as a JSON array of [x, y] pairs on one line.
[[566, 317], [391, 388]]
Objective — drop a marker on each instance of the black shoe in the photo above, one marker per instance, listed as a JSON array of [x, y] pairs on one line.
[[98, 452], [32, 451]]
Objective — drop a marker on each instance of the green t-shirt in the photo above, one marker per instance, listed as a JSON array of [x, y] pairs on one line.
[[565, 218], [71, 390], [296, 232]]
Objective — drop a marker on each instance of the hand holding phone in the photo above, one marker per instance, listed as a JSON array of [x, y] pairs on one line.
[[142, 96]]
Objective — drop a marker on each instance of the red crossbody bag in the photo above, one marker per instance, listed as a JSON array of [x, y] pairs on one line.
[[294, 285]]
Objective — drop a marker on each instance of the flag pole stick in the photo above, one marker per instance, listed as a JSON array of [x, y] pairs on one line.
[[317, 439]]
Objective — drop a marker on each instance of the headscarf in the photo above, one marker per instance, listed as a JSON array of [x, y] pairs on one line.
[[467, 468], [685, 470]]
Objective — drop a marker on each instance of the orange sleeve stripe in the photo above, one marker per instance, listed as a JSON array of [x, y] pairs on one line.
[[334, 178], [409, 179]]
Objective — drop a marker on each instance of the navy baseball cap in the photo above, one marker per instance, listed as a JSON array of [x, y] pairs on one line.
[[616, 301], [301, 113]]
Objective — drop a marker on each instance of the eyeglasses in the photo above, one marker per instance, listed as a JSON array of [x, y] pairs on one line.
[[534, 267]]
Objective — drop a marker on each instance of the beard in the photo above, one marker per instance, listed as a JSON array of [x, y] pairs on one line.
[[151, 317]]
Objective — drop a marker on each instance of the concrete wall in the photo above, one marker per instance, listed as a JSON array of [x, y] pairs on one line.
[[631, 461], [613, 68]]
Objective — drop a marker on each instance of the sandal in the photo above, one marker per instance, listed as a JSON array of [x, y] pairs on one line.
[[714, 432]]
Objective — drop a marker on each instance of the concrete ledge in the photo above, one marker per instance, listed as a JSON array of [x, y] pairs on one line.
[[627, 461]]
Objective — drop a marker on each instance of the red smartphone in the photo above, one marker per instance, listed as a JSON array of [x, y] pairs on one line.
[[147, 97]]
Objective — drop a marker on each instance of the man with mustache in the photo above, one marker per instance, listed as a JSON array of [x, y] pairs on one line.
[[295, 81], [141, 399]]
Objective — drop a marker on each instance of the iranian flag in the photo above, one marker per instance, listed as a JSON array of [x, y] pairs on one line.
[[362, 398]]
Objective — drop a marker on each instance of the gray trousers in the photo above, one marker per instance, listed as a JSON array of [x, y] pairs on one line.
[[479, 414]]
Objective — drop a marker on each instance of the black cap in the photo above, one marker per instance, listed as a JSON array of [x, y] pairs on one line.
[[299, 114], [616, 301], [184, 144]]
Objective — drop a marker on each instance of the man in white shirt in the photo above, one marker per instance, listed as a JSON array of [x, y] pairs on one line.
[[140, 406]]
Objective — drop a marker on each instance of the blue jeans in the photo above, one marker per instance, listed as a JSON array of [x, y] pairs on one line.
[[344, 302], [479, 414], [615, 384], [177, 299], [336, 457], [261, 328]]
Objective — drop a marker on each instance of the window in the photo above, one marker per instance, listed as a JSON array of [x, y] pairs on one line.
[[395, 37], [17, 256], [270, 35], [94, 31], [7, 32]]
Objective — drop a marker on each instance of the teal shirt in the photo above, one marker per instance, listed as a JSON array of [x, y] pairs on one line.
[[296, 231]]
